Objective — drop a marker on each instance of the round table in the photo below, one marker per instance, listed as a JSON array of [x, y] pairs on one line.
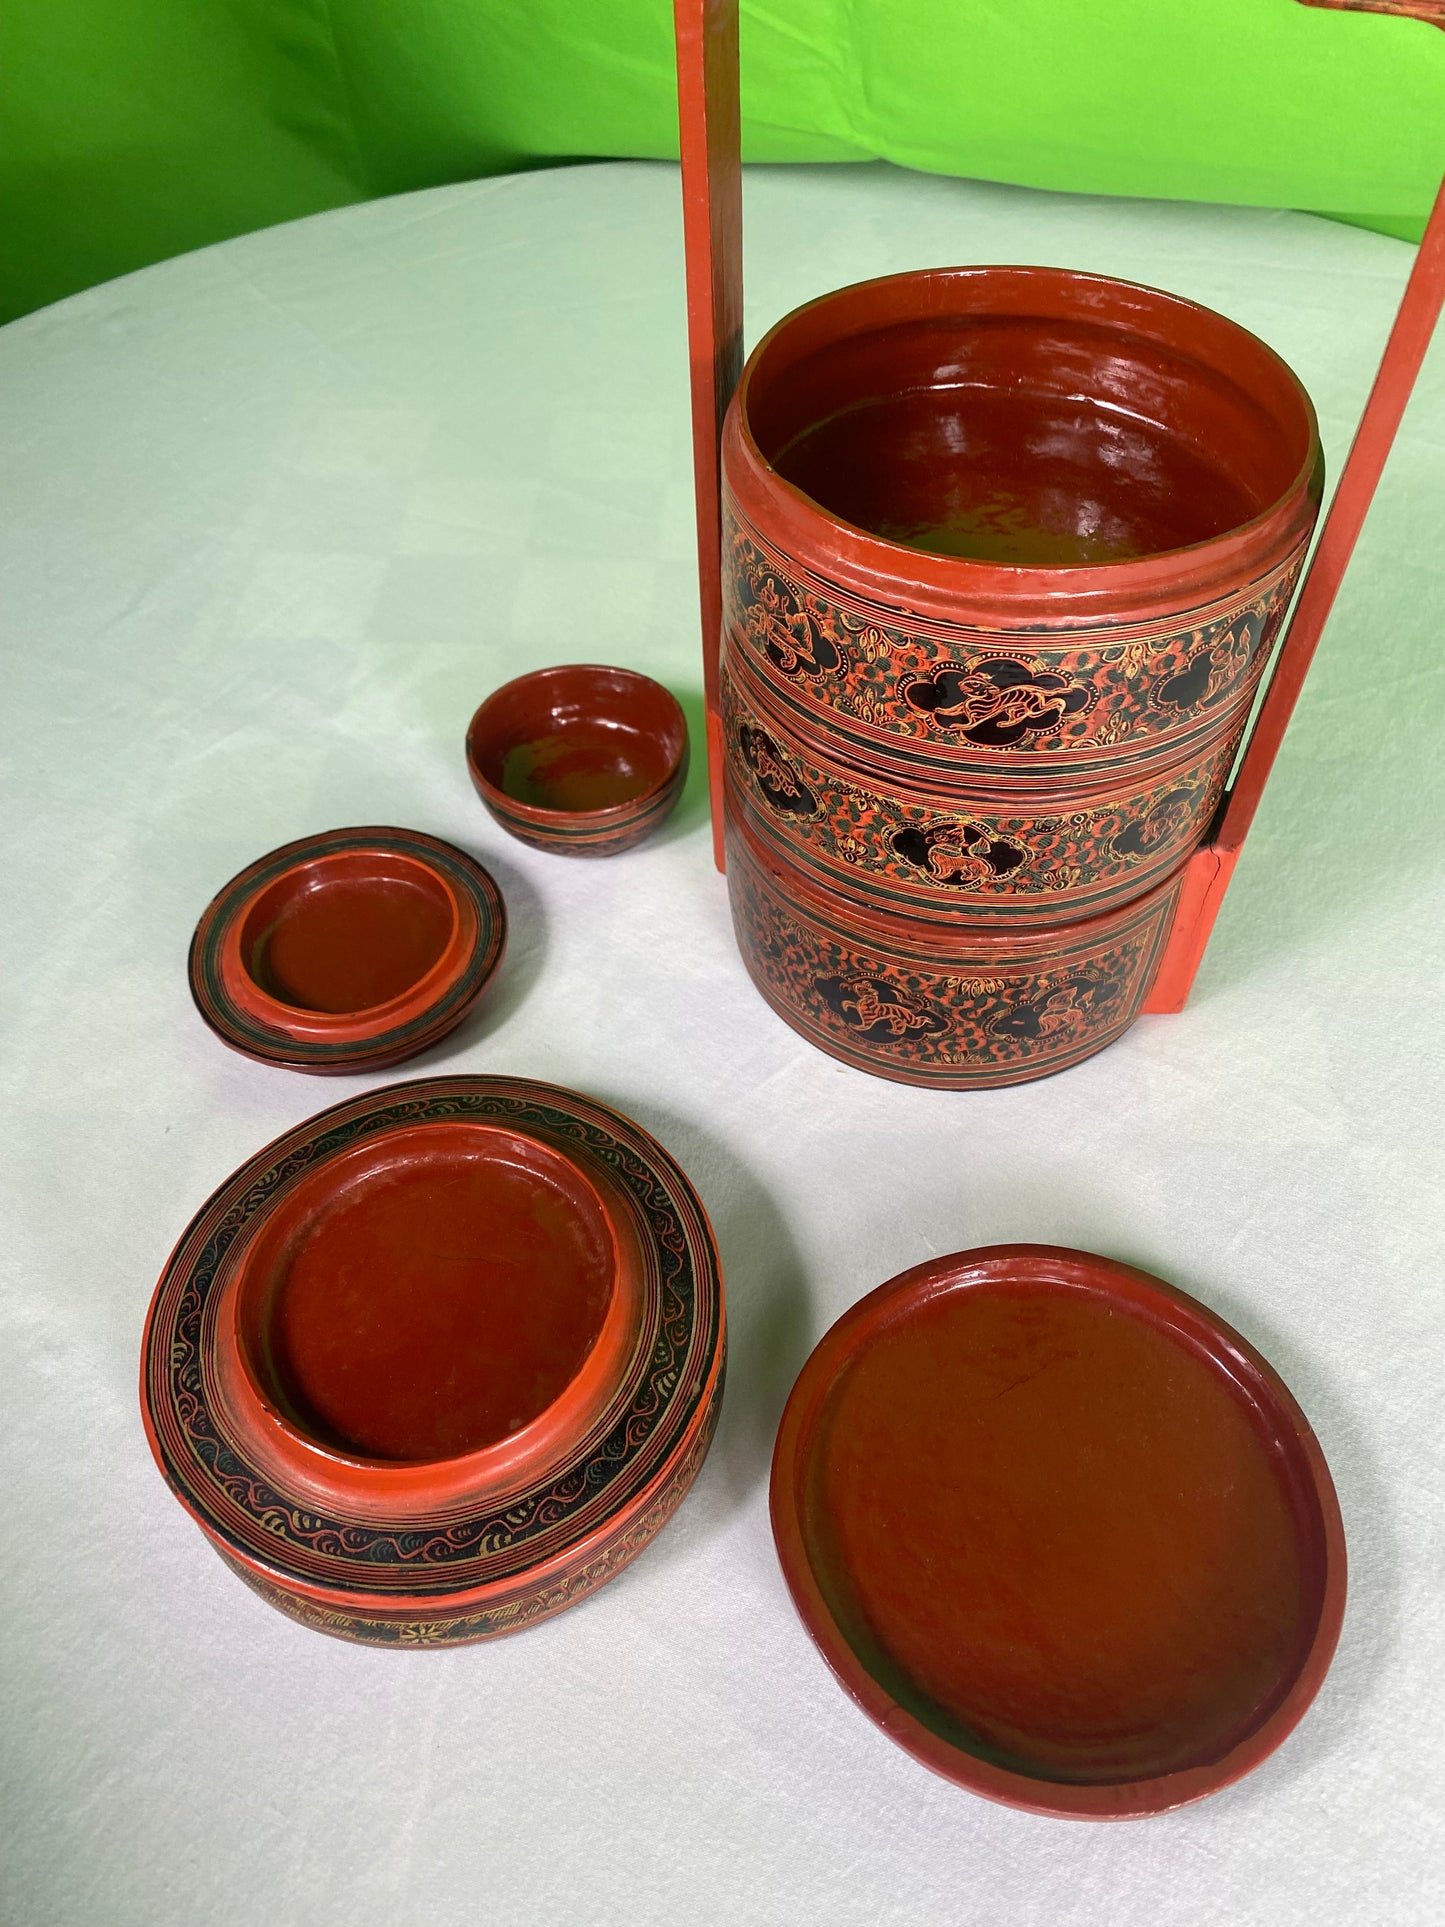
[[279, 514]]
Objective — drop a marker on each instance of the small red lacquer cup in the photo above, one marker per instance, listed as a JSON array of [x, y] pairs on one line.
[[582, 759]]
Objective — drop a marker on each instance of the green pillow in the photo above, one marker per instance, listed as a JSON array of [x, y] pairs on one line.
[[130, 132]]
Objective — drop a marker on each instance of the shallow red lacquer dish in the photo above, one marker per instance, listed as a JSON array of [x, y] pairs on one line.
[[347, 951], [1063, 1534], [582, 759], [440, 1361]]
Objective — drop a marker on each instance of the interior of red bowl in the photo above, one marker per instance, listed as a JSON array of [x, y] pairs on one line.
[[577, 739], [347, 933], [1027, 417], [428, 1295], [1065, 1541]]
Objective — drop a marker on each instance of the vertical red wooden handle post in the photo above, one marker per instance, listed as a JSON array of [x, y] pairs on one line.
[[709, 123], [1207, 877]]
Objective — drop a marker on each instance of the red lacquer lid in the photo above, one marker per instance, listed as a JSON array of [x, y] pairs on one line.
[[347, 951], [582, 759], [1059, 1531], [439, 1361]]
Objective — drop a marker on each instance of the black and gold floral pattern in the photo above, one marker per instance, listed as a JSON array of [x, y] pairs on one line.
[[942, 693]]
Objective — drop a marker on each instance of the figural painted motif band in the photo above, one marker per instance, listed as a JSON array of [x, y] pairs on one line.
[[957, 849], [947, 696]]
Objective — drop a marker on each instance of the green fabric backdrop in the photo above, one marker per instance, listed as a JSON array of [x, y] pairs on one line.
[[133, 129]]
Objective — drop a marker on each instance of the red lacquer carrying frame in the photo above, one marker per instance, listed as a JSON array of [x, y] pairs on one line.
[[710, 124], [1212, 866], [710, 128]]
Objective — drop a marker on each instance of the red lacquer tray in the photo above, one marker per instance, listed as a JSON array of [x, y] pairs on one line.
[[347, 951], [1059, 1531], [440, 1361]]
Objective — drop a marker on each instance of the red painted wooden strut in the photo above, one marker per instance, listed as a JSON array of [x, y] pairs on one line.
[[709, 124], [1210, 869]]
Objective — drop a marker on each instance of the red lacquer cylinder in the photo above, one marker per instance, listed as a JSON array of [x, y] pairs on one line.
[[1006, 551], [962, 1008]]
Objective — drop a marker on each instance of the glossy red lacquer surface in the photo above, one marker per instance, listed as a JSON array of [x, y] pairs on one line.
[[1004, 474], [431, 1296], [582, 759], [348, 950], [1087, 401], [440, 1361], [347, 933], [1061, 1531], [709, 115], [439, 1312]]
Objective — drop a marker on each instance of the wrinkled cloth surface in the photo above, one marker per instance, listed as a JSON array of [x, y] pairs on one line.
[[279, 515]]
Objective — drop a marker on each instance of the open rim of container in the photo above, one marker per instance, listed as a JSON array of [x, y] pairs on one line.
[[1032, 596]]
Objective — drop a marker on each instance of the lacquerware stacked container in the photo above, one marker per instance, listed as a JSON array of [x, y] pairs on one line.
[[962, 787]]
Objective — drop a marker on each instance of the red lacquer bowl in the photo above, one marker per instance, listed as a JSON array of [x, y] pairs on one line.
[[440, 1361], [966, 1007], [1062, 1533], [582, 759], [1002, 517], [347, 951]]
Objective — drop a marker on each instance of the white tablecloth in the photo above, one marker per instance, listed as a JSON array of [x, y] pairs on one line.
[[278, 515]]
